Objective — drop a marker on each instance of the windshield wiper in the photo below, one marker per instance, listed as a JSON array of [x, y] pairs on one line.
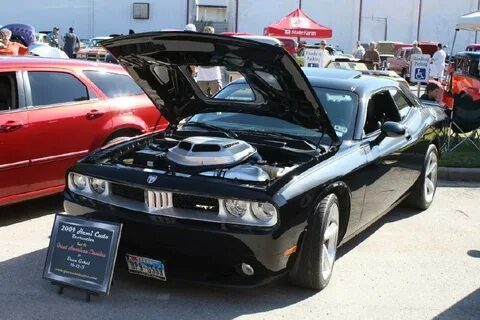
[[282, 136], [204, 125]]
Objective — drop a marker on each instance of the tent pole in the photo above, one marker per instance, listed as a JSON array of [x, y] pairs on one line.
[[478, 8], [453, 44]]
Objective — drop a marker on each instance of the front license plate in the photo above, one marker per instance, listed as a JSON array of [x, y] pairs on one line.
[[146, 267]]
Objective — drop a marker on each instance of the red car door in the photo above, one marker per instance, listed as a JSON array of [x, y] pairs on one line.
[[14, 141], [66, 120]]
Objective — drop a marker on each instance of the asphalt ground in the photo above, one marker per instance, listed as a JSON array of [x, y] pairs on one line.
[[408, 265]]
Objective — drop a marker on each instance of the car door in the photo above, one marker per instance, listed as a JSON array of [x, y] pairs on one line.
[[14, 137], [67, 121], [392, 167]]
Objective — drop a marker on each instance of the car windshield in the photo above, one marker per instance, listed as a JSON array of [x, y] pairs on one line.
[[341, 107], [95, 42]]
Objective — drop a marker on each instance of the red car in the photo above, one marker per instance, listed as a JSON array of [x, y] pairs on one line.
[[53, 112]]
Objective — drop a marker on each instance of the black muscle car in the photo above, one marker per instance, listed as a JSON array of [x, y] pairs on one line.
[[265, 179]]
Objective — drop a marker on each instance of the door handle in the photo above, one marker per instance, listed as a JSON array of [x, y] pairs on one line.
[[94, 114], [10, 126]]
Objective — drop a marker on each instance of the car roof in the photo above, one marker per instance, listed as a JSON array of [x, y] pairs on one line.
[[468, 53], [30, 61], [348, 80]]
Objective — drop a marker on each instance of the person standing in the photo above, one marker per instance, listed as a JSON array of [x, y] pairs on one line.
[[358, 51], [372, 55], [209, 79], [325, 54], [415, 48], [10, 48], [53, 37], [438, 63], [71, 43]]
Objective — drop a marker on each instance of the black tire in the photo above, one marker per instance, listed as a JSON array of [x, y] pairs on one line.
[[307, 270], [421, 197], [116, 140]]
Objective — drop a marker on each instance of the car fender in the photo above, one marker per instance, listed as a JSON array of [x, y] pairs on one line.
[[129, 121]]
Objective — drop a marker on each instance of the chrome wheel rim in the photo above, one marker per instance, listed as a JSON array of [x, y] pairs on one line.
[[430, 177], [329, 245]]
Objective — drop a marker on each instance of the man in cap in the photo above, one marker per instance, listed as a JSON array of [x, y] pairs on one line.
[[326, 54], [53, 38]]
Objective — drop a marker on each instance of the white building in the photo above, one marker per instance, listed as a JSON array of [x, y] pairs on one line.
[[380, 19]]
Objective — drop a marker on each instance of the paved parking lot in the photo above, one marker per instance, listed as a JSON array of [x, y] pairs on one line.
[[408, 265]]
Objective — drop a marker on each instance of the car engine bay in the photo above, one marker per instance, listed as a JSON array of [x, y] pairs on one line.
[[258, 160]]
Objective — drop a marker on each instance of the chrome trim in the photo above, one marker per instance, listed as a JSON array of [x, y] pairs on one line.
[[160, 203]]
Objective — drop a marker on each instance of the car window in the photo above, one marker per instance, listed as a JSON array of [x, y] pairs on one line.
[[236, 91], [56, 87], [381, 108], [114, 85], [404, 106], [8, 91]]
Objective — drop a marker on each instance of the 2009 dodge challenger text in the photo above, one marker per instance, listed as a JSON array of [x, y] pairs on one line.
[[265, 179]]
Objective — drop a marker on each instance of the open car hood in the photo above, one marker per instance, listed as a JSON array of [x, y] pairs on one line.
[[159, 61]]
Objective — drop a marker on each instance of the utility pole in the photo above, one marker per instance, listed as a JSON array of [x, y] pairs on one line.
[[360, 19], [419, 19], [299, 4], [478, 8]]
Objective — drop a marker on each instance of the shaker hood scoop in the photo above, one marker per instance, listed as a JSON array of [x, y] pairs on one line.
[[159, 63]]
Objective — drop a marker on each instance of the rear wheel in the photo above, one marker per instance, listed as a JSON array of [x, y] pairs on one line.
[[317, 257], [424, 189]]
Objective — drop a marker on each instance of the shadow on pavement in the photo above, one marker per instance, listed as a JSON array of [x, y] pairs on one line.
[[465, 309], [25, 295], [31, 209], [392, 216]]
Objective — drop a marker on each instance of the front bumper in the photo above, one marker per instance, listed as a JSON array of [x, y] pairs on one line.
[[197, 251]]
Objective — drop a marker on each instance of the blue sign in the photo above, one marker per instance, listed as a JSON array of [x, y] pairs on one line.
[[421, 74]]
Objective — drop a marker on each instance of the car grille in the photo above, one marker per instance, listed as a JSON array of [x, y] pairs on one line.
[[195, 202], [131, 193]]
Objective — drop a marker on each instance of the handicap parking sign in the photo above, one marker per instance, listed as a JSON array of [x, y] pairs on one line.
[[419, 67], [420, 73]]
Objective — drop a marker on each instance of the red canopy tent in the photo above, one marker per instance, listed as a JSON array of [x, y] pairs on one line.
[[297, 24]]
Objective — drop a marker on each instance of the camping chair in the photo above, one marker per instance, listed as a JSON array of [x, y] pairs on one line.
[[464, 122]]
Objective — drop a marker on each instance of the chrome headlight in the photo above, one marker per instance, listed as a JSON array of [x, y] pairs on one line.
[[78, 181], [98, 185], [236, 208], [264, 211]]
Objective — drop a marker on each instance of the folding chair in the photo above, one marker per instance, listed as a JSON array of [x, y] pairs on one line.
[[464, 122]]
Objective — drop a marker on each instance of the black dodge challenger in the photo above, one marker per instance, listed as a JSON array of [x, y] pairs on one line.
[[268, 177]]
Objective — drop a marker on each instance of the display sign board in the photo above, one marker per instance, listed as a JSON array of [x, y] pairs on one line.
[[419, 70], [313, 58], [82, 253]]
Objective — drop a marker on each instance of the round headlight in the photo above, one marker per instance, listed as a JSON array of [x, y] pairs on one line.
[[79, 181], [236, 208], [263, 211], [98, 185]]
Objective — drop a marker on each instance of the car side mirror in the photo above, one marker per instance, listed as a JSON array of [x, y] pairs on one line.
[[391, 129]]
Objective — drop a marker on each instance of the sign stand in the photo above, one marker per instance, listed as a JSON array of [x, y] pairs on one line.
[[82, 254]]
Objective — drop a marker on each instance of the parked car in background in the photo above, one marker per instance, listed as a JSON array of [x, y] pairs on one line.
[[473, 47], [263, 39], [266, 179], [289, 44], [55, 111], [94, 50], [334, 54], [388, 47], [400, 63], [463, 78]]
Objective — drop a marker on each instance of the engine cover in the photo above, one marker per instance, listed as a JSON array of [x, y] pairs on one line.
[[210, 151]]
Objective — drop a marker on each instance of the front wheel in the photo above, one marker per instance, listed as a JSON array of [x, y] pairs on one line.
[[426, 185], [317, 256]]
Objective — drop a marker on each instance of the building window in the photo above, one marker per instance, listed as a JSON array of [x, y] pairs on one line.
[[211, 13], [141, 10]]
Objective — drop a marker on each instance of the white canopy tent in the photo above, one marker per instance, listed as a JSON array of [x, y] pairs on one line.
[[467, 22]]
